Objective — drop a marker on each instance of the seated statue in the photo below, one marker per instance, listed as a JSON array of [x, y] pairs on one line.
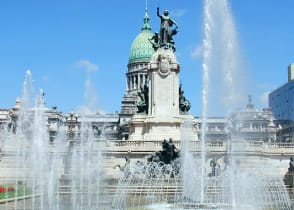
[[141, 103], [184, 104]]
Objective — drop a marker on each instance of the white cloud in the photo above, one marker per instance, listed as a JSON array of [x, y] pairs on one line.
[[87, 65], [196, 52]]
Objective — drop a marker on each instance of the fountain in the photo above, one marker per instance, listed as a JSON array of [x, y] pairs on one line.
[[177, 185], [67, 173], [206, 181], [61, 174]]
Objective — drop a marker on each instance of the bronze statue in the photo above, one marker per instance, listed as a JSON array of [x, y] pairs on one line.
[[142, 103], [165, 36], [167, 155], [184, 104], [155, 41], [164, 145]]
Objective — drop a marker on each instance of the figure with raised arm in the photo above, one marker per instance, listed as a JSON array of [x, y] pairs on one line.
[[165, 32]]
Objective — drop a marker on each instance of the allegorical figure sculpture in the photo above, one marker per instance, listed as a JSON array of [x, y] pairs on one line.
[[184, 104], [166, 32], [167, 155], [155, 41], [142, 102]]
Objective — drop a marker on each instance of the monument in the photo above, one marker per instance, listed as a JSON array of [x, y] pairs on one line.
[[204, 180], [167, 107], [76, 170]]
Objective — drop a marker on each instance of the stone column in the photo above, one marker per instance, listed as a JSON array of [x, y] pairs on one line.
[[127, 84], [139, 81], [133, 82]]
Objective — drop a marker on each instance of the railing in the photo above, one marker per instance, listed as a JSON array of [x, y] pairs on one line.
[[195, 146], [151, 146], [148, 146], [281, 145]]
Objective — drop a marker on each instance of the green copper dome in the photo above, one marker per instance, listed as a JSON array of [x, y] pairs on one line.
[[141, 48]]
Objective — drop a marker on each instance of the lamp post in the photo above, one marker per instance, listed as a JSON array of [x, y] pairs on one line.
[[72, 122]]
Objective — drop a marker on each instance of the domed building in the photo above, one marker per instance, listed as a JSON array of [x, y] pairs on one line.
[[136, 76]]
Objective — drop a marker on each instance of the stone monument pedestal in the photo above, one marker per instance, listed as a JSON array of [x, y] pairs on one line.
[[143, 128], [163, 120]]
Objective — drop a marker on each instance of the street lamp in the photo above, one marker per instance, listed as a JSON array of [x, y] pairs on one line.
[[71, 121]]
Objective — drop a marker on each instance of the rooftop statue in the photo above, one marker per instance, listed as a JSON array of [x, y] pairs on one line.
[[166, 30]]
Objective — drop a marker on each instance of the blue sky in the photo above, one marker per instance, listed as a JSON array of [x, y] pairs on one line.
[[65, 43]]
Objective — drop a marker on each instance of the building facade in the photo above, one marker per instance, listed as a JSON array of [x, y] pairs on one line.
[[250, 124], [281, 101], [136, 77], [216, 130]]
